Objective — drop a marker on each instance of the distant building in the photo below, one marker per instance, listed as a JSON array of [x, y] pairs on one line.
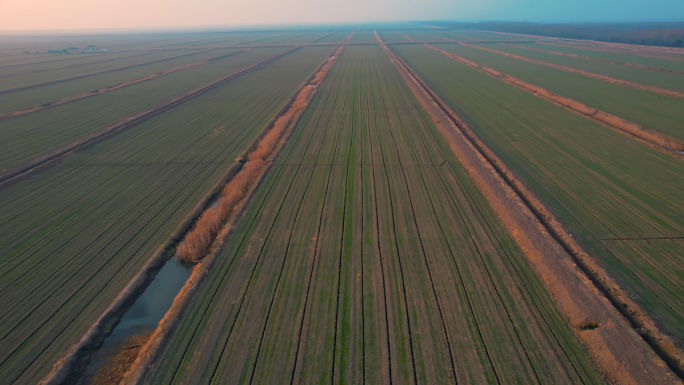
[[89, 49]]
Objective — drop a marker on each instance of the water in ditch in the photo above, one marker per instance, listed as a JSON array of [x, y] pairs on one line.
[[143, 317]]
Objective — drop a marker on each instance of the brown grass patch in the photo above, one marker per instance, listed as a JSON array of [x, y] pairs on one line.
[[114, 370]]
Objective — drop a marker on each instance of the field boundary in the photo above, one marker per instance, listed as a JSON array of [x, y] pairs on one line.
[[28, 165], [72, 98], [659, 141], [580, 287]]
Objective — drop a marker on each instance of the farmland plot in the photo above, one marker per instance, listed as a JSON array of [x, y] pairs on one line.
[[619, 198], [47, 93], [26, 136], [75, 234], [653, 111], [638, 75], [368, 255], [655, 62]]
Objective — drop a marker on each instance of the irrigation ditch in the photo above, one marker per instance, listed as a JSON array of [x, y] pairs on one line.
[[622, 340], [160, 276]]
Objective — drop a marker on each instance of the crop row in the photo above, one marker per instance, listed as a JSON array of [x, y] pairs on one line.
[[620, 199], [76, 233], [368, 255]]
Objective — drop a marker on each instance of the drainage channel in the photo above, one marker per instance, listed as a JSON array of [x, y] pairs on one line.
[[137, 324]]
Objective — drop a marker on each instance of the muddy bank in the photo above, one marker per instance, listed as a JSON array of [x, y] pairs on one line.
[[573, 278]]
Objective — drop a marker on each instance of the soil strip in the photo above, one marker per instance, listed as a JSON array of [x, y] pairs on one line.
[[72, 98], [657, 140], [583, 292], [26, 166], [598, 60], [638, 86]]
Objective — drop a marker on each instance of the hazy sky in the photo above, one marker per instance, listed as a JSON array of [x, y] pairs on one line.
[[97, 14]]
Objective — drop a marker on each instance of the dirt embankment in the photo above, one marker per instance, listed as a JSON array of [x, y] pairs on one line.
[[660, 141], [584, 293], [643, 87], [261, 153], [598, 60], [72, 98], [349, 37]]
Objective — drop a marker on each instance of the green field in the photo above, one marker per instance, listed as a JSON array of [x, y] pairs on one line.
[[30, 135], [369, 256], [653, 111], [638, 75], [76, 233], [621, 199], [674, 65], [367, 253]]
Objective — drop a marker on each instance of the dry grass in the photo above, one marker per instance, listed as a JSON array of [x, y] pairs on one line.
[[116, 367], [199, 239]]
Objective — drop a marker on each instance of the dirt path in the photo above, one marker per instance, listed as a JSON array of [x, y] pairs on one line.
[[598, 60], [555, 257], [662, 142], [72, 98], [638, 86]]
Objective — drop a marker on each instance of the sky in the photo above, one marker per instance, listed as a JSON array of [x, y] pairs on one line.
[[113, 14]]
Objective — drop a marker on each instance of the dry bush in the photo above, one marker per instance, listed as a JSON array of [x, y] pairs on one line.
[[199, 239]]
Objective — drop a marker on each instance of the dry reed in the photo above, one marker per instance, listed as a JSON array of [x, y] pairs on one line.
[[198, 241]]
